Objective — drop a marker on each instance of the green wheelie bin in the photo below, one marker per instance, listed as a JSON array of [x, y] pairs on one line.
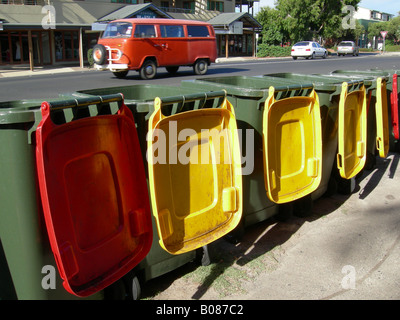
[[392, 99], [344, 116], [269, 171], [60, 167], [378, 104]]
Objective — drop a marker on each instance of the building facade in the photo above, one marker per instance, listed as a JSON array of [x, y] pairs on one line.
[[365, 17], [47, 32]]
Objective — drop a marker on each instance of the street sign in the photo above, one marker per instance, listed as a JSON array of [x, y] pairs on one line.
[[384, 33]]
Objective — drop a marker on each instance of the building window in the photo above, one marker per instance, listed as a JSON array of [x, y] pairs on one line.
[[215, 6], [165, 4], [67, 45], [189, 5]]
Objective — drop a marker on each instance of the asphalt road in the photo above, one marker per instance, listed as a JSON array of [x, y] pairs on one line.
[[51, 85]]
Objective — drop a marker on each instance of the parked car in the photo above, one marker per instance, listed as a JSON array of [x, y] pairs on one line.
[[308, 49], [347, 47]]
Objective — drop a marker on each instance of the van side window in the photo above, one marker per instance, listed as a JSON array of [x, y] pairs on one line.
[[144, 31], [198, 31], [171, 31]]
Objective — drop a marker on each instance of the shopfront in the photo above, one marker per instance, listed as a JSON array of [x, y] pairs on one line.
[[236, 33], [47, 46]]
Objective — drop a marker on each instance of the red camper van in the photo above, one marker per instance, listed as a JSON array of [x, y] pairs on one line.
[[145, 44]]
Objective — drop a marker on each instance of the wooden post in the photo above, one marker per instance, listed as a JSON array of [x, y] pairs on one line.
[[81, 47], [30, 49], [226, 46]]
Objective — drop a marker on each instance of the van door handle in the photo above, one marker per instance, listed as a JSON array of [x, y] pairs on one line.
[[165, 45]]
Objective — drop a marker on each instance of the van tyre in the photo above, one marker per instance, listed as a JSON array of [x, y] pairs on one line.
[[99, 54], [148, 70], [121, 74], [200, 67]]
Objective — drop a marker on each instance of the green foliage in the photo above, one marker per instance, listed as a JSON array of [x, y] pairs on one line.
[[296, 20], [265, 50], [392, 27], [90, 58]]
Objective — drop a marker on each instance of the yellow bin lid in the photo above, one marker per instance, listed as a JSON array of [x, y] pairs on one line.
[[352, 130], [382, 121], [195, 180], [292, 146]]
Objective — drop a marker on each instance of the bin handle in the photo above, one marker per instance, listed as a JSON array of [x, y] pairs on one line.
[[164, 101], [81, 102], [294, 87]]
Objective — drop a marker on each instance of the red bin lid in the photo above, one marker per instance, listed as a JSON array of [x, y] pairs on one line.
[[94, 194]]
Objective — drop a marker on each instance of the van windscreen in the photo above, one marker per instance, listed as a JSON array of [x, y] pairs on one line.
[[198, 31], [118, 30]]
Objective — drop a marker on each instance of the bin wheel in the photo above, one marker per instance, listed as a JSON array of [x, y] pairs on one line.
[[285, 212], [203, 256], [121, 74], [302, 208], [370, 163], [99, 54], [135, 288], [346, 186], [172, 70], [200, 67], [116, 291], [148, 70], [236, 235], [332, 187]]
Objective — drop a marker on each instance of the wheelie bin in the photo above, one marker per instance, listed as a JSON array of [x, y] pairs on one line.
[[392, 98], [344, 116], [377, 109], [73, 197], [167, 253], [269, 171]]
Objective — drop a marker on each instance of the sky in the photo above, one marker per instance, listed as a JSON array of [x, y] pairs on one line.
[[387, 6]]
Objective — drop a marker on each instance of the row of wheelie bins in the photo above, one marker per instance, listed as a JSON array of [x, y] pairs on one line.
[[104, 189]]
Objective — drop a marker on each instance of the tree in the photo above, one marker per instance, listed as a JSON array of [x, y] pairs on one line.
[[391, 26], [273, 32], [306, 19]]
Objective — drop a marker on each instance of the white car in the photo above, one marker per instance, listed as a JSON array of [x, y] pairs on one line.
[[308, 49]]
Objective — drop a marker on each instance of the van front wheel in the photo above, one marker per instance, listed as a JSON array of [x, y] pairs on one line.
[[148, 70], [200, 67]]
